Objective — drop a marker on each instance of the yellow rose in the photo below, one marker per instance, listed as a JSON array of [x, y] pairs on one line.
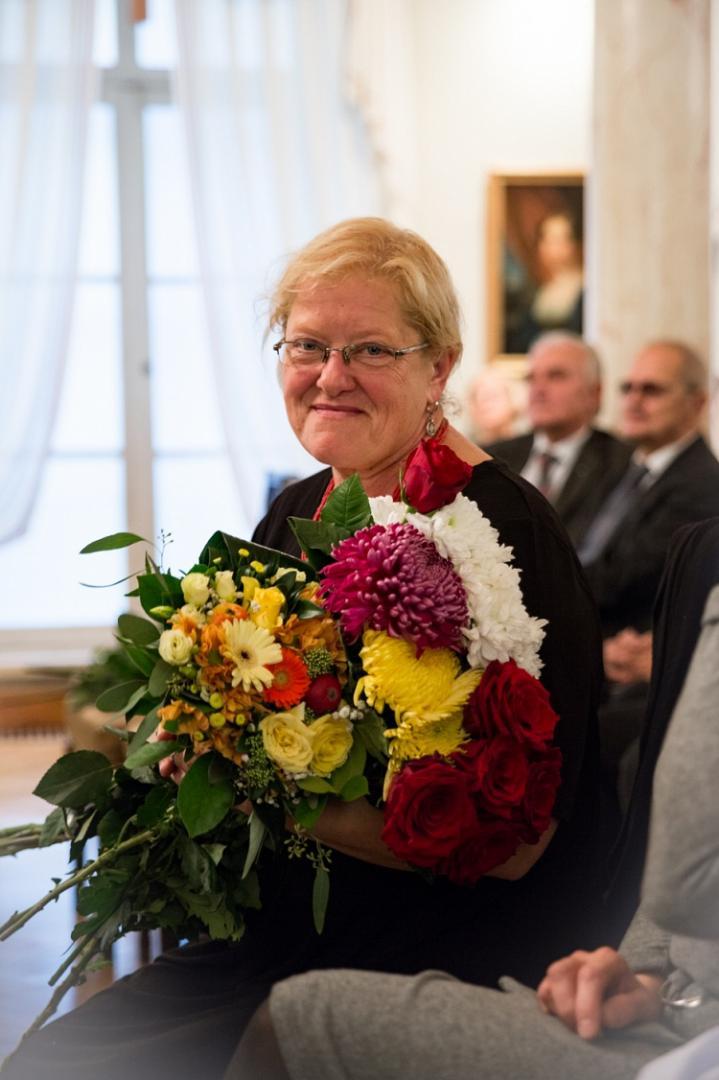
[[331, 738], [225, 586], [265, 607], [287, 742], [175, 647], [196, 589]]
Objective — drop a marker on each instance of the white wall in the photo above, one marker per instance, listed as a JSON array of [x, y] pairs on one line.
[[502, 86]]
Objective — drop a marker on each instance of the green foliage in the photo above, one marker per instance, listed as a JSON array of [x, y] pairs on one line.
[[203, 799], [348, 507], [113, 542], [122, 697], [138, 630], [76, 779]]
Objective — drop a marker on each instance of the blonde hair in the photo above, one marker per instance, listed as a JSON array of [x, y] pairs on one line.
[[371, 247]]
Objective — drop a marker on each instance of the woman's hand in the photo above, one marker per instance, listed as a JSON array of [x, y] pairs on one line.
[[628, 657], [173, 767], [590, 991]]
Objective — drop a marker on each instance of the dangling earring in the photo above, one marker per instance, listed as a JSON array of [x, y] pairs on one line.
[[430, 428]]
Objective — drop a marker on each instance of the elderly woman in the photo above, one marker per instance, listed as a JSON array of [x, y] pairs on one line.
[[369, 333]]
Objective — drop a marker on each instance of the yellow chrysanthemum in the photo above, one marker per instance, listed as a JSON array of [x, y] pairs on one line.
[[413, 739], [426, 688]]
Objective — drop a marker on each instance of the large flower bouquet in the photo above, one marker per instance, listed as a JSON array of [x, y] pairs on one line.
[[396, 661]]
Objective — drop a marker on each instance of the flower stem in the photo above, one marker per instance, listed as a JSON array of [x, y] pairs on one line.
[[19, 919]]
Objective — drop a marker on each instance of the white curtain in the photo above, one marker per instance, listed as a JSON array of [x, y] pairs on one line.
[[276, 154], [46, 86]]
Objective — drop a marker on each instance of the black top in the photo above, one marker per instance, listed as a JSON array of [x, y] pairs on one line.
[[182, 1015]]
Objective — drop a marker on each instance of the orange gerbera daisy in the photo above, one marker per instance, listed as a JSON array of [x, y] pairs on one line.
[[289, 680], [223, 612]]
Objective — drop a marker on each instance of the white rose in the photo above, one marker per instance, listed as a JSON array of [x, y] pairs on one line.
[[196, 589], [225, 586], [175, 647]]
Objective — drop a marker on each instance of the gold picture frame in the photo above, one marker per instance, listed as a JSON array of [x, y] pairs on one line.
[[535, 258]]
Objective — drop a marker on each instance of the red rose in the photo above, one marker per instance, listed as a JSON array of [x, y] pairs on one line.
[[540, 792], [433, 476], [429, 811], [499, 770], [490, 844], [510, 701]]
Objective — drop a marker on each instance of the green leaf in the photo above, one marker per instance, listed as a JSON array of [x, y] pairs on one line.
[[258, 831], [355, 788], [197, 866], [113, 542], [138, 630], [307, 813], [76, 779], [225, 547], [370, 729], [353, 766], [320, 896], [150, 753], [141, 658], [53, 827], [348, 506], [315, 784], [215, 852], [159, 678], [155, 805], [202, 801], [305, 609], [102, 896], [159, 590], [109, 827], [316, 536], [211, 910], [122, 697], [146, 728]]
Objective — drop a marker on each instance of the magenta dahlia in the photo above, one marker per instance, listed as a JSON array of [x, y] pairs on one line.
[[393, 578]]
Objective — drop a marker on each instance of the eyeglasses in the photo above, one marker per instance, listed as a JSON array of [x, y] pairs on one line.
[[306, 353], [645, 389]]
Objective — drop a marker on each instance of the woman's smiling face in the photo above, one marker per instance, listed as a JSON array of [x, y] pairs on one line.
[[354, 418]]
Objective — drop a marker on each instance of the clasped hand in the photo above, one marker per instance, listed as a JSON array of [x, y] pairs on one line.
[[593, 991]]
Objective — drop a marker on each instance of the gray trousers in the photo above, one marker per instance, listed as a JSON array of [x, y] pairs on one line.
[[355, 1025]]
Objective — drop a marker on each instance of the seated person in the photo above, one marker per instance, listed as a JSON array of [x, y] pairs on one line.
[[573, 463], [601, 1014], [672, 480]]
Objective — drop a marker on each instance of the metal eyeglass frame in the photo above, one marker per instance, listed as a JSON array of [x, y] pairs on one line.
[[348, 351]]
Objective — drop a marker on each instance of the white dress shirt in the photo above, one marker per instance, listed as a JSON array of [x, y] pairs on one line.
[[566, 451]]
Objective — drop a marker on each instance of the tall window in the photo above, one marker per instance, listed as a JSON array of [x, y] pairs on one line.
[[138, 441]]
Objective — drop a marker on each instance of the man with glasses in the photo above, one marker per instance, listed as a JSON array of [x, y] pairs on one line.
[[574, 464], [671, 480]]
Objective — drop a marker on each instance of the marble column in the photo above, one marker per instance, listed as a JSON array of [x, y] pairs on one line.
[[648, 199]]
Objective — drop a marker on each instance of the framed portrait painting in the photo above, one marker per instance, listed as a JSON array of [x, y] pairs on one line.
[[535, 255]]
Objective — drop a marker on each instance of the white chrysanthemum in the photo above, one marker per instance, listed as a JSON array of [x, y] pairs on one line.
[[250, 648], [500, 627]]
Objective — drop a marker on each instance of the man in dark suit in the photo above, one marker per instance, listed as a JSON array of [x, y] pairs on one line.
[[671, 480], [574, 464]]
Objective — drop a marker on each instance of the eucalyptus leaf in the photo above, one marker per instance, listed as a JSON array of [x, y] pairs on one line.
[[159, 590], [320, 897], [203, 802], [141, 658], [138, 630], [77, 779], [146, 728], [150, 753], [159, 678], [348, 507], [122, 697], [113, 542], [257, 835]]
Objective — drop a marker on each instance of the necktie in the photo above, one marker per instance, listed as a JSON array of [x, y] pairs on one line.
[[611, 514], [546, 462]]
